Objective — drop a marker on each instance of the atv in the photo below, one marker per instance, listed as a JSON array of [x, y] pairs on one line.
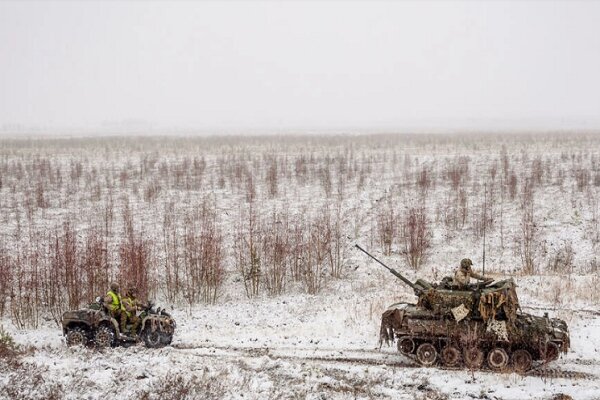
[[94, 325]]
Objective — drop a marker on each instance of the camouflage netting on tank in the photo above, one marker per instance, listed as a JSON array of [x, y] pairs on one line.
[[443, 301], [503, 299], [390, 320], [538, 332]]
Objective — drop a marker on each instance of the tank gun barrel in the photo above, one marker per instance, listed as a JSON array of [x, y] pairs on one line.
[[392, 270]]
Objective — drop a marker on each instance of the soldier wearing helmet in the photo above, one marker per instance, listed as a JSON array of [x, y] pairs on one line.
[[464, 273], [131, 306], [113, 302]]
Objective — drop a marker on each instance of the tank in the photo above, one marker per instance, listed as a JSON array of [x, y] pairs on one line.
[[481, 326]]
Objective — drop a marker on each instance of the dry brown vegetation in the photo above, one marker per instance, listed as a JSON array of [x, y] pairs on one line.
[[181, 218]]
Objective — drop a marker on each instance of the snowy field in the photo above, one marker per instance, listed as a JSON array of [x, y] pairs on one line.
[[300, 320]]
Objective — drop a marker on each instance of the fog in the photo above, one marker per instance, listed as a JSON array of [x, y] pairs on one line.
[[300, 65]]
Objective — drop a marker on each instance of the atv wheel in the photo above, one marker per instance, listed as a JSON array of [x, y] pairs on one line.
[[76, 337], [153, 339], [166, 338], [104, 337]]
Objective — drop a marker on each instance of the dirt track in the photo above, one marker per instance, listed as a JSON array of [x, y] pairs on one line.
[[358, 357]]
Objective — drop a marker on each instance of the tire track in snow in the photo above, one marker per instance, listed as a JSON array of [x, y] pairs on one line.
[[323, 355]]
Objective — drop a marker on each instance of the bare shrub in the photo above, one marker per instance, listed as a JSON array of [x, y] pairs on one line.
[[6, 268], [386, 227], [537, 171], [151, 191], [276, 250], [172, 259], [94, 265], [336, 241], [529, 231], [415, 236], [203, 256], [41, 200], [562, 261], [325, 178], [26, 293], [247, 250], [455, 210], [315, 253], [424, 180], [297, 248], [250, 187], [134, 256], [176, 386], [582, 178], [301, 169], [457, 172], [272, 177], [560, 177], [595, 221], [512, 185], [66, 263], [593, 266], [27, 381]]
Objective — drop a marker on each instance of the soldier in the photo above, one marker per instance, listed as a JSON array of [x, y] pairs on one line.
[[113, 302], [131, 306], [464, 273]]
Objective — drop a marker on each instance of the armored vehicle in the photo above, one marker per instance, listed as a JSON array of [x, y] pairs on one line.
[[474, 327], [95, 326]]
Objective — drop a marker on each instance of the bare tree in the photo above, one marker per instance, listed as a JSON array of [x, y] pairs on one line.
[[172, 257], [529, 230], [386, 226], [247, 250], [415, 236], [134, 256], [276, 248]]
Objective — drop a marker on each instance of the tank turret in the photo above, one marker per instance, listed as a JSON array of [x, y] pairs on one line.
[[482, 299]]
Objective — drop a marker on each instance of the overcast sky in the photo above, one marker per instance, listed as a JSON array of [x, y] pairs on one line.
[[301, 65]]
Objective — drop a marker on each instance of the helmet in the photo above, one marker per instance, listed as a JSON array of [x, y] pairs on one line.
[[466, 263], [114, 287]]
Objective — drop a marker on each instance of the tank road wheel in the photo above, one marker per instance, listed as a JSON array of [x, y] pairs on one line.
[[550, 353], [497, 359], [450, 356], [406, 346], [521, 361], [473, 357], [104, 337], [76, 337], [152, 339], [426, 354]]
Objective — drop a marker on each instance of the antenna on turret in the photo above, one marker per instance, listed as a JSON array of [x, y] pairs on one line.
[[484, 223]]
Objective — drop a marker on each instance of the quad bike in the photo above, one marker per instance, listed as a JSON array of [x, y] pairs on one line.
[[95, 325]]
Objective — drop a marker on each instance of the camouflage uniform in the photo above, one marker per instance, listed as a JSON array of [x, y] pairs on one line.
[[464, 273], [131, 304]]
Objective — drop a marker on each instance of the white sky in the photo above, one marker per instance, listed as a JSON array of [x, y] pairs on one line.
[[288, 65]]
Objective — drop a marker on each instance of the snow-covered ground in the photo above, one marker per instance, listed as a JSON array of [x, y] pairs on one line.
[[298, 345]]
